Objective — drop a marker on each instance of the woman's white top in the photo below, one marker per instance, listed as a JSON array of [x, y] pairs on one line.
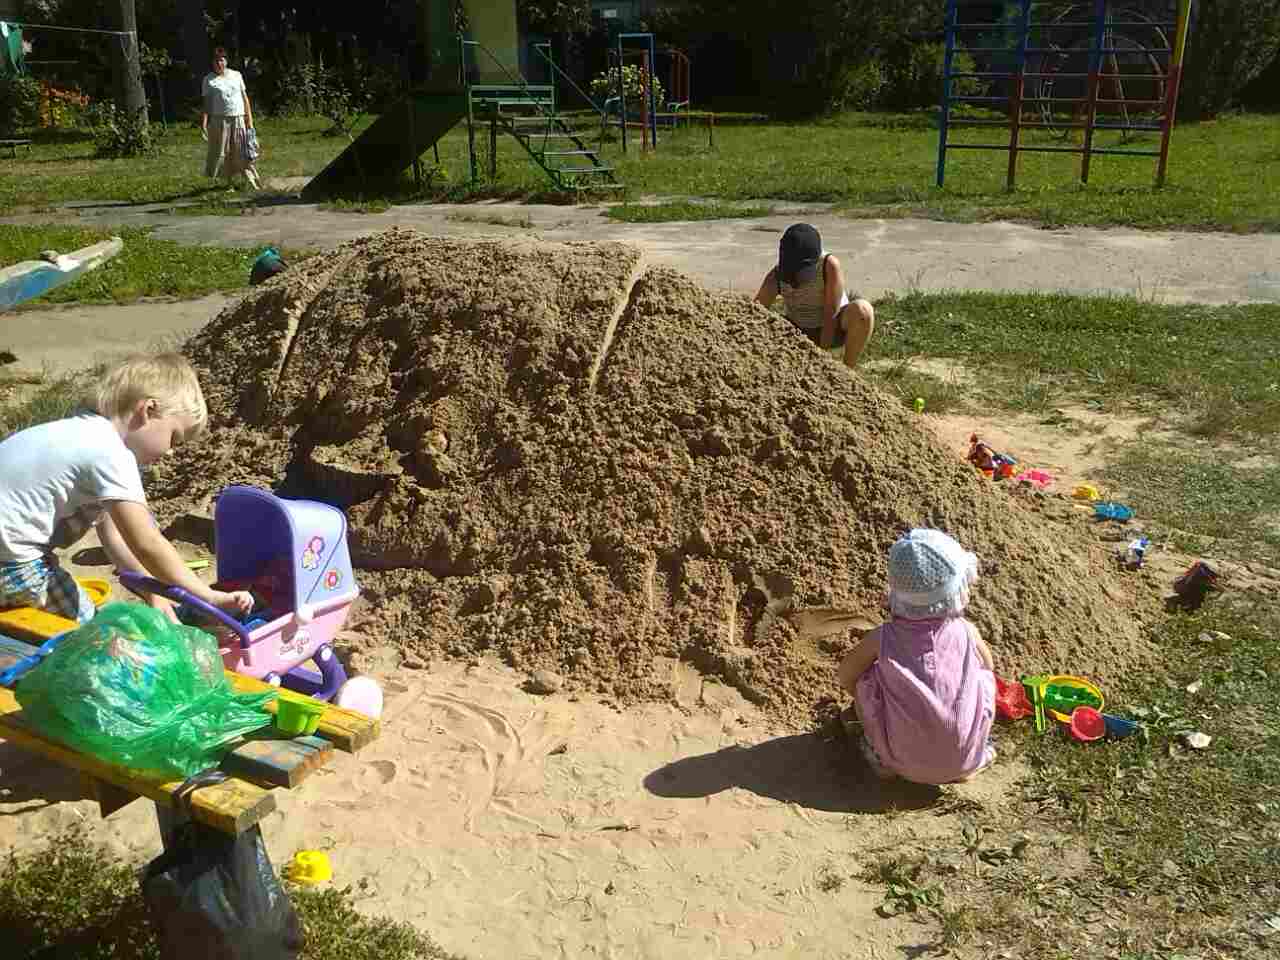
[[223, 94], [806, 303]]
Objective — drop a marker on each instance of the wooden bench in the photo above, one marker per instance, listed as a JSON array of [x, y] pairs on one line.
[[258, 765], [13, 146]]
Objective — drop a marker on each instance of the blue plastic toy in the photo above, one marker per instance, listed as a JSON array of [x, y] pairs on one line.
[[1110, 510], [1119, 727]]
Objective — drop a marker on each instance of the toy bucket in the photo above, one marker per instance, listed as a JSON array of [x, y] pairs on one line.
[[298, 717], [99, 591], [309, 867], [1064, 693]]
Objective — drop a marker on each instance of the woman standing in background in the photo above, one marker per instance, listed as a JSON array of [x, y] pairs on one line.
[[226, 121]]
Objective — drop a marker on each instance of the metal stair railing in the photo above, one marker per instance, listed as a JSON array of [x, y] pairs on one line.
[[555, 129], [557, 72]]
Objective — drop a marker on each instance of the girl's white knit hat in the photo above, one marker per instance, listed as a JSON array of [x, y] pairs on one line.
[[929, 576]]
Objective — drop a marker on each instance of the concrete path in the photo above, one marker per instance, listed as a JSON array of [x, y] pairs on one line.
[[881, 256]]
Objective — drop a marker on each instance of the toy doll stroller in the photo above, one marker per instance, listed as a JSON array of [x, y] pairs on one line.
[[292, 556]]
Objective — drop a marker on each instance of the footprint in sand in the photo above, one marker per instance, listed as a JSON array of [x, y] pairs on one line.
[[376, 773]]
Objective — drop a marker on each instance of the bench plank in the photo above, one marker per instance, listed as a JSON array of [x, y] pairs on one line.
[[230, 807], [278, 763]]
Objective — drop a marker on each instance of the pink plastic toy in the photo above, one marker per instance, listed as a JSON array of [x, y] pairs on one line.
[[1037, 477], [302, 544]]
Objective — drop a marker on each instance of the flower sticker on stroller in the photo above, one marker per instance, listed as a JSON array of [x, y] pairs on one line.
[[311, 555], [332, 578]]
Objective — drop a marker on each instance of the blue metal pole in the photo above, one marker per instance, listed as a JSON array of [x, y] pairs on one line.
[[945, 113]]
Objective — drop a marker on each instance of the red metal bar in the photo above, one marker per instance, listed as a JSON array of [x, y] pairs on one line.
[[1091, 97]]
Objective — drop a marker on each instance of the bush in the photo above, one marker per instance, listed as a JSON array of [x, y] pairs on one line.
[[1232, 41], [19, 104], [913, 76], [606, 85], [118, 134], [860, 88], [295, 90], [308, 89]]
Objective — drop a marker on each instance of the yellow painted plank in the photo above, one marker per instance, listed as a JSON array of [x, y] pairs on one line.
[[35, 626], [230, 807]]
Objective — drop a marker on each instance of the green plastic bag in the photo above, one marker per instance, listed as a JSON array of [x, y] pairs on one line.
[[133, 688]]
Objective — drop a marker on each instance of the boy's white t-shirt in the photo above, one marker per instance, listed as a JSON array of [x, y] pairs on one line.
[[224, 95], [55, 479]]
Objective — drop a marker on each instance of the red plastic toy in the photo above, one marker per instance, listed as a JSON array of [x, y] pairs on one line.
[[1087, 724], [1011, 700]]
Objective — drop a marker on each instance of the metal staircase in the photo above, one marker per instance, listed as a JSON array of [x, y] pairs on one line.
[[527, 113]]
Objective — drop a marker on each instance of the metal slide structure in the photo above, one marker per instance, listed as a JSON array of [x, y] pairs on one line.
[[475, 80]]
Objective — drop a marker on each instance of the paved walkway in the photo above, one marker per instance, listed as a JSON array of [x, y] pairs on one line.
[[881, 256]]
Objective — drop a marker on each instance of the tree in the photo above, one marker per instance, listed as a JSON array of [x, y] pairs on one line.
[[195, 41], [554, 16], [130, 94], [1232, 41]]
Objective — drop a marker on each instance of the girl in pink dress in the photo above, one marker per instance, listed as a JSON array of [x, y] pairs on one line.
[[923, 683]]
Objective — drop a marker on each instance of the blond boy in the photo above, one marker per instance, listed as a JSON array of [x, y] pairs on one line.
[[57, 479]]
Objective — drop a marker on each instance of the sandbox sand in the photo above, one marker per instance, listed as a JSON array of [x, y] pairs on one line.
[[554, 454], [514, 826], [554, 457]]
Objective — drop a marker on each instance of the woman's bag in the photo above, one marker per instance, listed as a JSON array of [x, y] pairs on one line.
[[251, 149]]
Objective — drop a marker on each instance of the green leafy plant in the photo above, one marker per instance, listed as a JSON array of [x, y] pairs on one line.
[[154, 61], [605, 86], [118, 134], [19, 103], [860, 88], [74, 899], [913, 76]]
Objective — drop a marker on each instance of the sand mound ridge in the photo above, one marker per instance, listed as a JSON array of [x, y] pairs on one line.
[[552, 452]]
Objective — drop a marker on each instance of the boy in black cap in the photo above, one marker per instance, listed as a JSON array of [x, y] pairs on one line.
[[811, 283]]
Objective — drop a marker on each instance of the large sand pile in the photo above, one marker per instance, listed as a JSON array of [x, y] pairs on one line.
[[551, 452]]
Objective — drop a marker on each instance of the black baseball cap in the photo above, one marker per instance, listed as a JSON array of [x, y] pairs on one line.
[[799, 253]]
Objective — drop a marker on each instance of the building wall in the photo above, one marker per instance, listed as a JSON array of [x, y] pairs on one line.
[[8, 9], [494, 25]]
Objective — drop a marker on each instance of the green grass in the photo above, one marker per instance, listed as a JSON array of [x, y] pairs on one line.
[[1216, 367], [77, 901], [1192, 837], [65, 168], [941, 395], [146, 267], [32, 400], [679, 210], [1203, 495], [1223, 174]]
